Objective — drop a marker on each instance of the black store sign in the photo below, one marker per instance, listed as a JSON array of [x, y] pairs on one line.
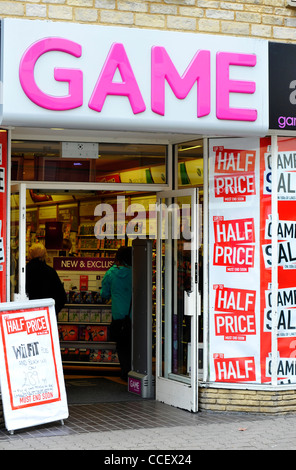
[[282, 86]]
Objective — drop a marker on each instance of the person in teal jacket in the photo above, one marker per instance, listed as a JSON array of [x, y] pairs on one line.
[[117, 286]]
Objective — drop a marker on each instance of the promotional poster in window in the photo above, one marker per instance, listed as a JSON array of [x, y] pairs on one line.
[[240, 260]]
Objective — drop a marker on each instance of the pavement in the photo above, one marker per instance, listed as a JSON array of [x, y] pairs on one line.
[[151, 432]]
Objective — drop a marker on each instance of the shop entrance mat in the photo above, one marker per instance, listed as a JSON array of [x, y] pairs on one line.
[[97, 390]]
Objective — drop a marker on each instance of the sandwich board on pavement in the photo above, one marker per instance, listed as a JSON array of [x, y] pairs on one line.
[[31, 374]]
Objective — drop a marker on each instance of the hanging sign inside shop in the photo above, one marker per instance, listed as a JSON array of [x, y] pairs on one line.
[[127, 79], [80, 150], [31, 374], [82, 264]]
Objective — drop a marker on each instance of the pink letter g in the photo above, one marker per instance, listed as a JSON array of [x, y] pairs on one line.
[[73, 76]]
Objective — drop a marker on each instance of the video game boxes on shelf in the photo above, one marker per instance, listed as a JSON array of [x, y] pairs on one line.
[[103, 355], [68, 332], [70, 354], [83, 297], [93, 333], [63, 315], [90, 333], [85, 315], [75, 354], [106, 315], [89, 355]]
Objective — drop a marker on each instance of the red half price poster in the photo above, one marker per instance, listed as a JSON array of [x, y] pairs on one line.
[[31, 375]]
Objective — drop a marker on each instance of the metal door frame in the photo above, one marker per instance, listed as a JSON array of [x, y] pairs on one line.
[[175, 390]]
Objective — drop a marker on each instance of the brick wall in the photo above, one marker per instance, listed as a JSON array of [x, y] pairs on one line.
[[247, 401], [268, 19]]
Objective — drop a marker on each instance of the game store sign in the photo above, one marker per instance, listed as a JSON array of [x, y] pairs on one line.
[[97, 77], [282, 86]]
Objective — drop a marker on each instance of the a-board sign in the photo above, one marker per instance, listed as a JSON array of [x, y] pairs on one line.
[[31, 374]]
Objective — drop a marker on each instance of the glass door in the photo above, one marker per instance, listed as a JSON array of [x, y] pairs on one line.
[[178, 299], [17, 242]]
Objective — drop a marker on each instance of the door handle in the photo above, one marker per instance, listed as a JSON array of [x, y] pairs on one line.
[[189, 303]]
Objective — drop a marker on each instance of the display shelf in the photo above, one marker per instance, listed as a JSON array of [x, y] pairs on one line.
[[87, 305], [104, 366], [85, 323], [84, 335], [89, 344]]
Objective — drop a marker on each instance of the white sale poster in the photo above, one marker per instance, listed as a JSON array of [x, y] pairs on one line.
[[234, 265], [286, 260], [32, 381]]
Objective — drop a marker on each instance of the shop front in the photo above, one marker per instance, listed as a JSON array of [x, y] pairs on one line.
[[164, 136], [95, 221]]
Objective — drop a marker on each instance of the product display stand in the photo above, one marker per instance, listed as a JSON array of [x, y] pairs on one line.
[[140, 378]]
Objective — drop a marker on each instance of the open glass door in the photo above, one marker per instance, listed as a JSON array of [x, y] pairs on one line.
[[178, 303], [17, 241]]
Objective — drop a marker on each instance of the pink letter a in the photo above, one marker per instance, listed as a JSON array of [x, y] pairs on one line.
[[117, 58]]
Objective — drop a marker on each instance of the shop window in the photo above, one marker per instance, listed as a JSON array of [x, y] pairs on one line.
[[190, 164], [252, 263], [115, 163]]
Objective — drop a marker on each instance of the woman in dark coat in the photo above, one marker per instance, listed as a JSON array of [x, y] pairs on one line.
[[42, 281]]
